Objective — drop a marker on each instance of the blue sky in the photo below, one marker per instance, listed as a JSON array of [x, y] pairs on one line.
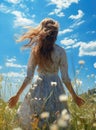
[[77, 34]]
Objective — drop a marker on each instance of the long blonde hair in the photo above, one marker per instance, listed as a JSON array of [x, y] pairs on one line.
[[45, 35]]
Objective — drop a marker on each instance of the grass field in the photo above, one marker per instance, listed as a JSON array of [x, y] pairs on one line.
[[83, 118]]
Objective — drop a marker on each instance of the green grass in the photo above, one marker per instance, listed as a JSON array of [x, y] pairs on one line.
[[83, 118]]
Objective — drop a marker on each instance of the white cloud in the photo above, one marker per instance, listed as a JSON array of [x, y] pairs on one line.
[[4, 8], [91, 32], [11, 59], [62, 4], [13, 74], [68, 42], [77, 44], [88, 49], [94, 65], [77, 23], [78, 16], [13, 1], [21, 20], [57, 12], [65, 31], [10, 63]]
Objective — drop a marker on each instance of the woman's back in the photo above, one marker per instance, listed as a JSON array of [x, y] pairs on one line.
[[56, 56]]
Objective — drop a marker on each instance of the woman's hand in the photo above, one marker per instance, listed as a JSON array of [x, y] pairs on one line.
[[79, 101], [13, 100]]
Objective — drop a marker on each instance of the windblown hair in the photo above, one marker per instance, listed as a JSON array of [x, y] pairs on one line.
[[44, 35]]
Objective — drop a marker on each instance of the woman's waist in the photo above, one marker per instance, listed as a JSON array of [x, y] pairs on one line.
[[47, 73]]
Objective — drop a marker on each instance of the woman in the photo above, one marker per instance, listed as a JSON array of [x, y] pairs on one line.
[[48, 58]]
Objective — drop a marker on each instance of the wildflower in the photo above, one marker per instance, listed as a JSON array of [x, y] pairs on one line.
[[81, 62], [79, 82], [53, 84], [62, 123], [94, 124], [44, 115], [78, 123], [63, 98], [53, 127], [39, 98], [64, 119], [35, 98], [64, 115], [35, 85], [29, 94], [40, 79]]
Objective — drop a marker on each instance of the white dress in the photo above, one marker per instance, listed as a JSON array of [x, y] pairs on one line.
[[45, 91]]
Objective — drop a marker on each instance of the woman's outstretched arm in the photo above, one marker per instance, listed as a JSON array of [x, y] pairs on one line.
[[78, 100], [65, 77], [30, 73]]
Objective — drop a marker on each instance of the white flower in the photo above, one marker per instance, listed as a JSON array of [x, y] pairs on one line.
[[40, 79], [39, 98], [44, 115], [63, 97], [81, 62], [78, 123], [94, 124], [53, 84], [64, 118], [35, 98], [53, 127], [79, 82], [35, 85], [62, 123], [64, 112], [17, 128], [29, 94]]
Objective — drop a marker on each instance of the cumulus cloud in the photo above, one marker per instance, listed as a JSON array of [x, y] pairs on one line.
[[65, 31], [21, 20], [13, 74], [10, 63], [57, 12], [78, 16], [13, 1], [11, 59], [67, 41], [60, 5], [4, 8], [88, 49], [77, 23]]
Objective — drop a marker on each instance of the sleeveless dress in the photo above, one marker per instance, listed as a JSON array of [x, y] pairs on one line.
[[44, 94]]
